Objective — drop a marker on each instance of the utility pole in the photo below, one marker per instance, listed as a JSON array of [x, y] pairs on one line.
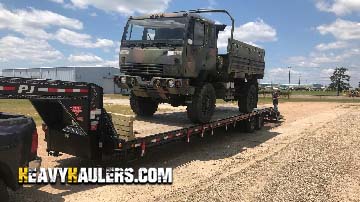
[[299, 79], [338, 87], [289, 75], [289, 78]]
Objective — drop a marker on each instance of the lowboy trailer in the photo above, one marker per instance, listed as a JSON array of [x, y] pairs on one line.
[[76, 123]]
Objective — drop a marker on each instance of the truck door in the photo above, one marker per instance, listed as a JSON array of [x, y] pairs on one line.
[[210, 43], [202, 51], [196, 48]]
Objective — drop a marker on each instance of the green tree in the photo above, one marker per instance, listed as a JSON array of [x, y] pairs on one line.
[[340, 80]]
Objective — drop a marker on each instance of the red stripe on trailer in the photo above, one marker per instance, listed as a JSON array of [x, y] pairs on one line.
[[170, 136], [7, 88], [84, 90], [52, 90], [68, 90]]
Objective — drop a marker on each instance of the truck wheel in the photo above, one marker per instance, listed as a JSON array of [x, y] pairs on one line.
[[202, 106], [248, 101], [4, 195], [141, 106]]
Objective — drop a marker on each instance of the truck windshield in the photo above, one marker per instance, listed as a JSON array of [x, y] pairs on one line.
[[158, 29]]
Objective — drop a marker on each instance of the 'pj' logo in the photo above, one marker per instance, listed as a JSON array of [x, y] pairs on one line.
[[26, 89]]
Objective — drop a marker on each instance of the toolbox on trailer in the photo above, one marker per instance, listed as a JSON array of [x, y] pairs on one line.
[[76, 123]]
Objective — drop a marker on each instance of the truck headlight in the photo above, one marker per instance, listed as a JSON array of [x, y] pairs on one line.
[[132, 82], [157, 83], [123, 80], [171, 83]]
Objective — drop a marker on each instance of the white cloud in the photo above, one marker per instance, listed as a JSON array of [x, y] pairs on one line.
[[343, 52], [331, 46], [327, 72], [33, 23], [111, 63], [250, 32], [339, 7], [91, 60], [281, 70], [85, 58], [301, 61], [124, 7], [341, 29], [348, 57], [81, 40], [27, 49]]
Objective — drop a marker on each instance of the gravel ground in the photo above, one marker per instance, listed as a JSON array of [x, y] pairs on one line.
[[313, 155]]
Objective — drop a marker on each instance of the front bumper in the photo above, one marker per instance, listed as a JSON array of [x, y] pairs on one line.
[[157, 87]]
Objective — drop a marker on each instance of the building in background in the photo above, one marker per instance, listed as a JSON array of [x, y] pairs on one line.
[[102, 76]]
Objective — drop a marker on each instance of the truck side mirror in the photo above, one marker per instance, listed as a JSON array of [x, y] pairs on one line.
[[190, 41]]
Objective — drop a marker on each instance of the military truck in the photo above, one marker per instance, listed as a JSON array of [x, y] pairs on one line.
[[174, 58]]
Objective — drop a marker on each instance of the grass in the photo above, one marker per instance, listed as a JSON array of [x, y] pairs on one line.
[[315, 93], [116, 96], [23, 107], [120, 109]]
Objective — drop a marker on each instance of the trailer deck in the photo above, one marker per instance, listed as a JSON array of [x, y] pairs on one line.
[[76, 122]]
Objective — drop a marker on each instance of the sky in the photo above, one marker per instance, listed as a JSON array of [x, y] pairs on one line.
[[311, 36]]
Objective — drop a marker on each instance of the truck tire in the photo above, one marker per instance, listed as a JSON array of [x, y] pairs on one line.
[[202, 106], [249, 98], [143, 107], [4, 195]]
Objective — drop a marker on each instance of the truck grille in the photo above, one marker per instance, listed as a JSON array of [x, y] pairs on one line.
[[142, 69]]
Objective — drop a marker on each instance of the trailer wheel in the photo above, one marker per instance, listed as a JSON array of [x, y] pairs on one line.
[[141, 106], [259, 122], [4, 195], [250, 125], [202, 106], [248, 99]]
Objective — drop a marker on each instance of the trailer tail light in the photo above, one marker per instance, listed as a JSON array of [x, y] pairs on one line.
[[34, 142]]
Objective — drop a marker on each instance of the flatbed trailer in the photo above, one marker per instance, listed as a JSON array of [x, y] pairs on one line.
[[76, 122]]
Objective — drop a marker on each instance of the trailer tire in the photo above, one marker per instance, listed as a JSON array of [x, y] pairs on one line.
[[143, 107], [203, 103], [248, 99], [259, 122], [250, 125], [4, 195]]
